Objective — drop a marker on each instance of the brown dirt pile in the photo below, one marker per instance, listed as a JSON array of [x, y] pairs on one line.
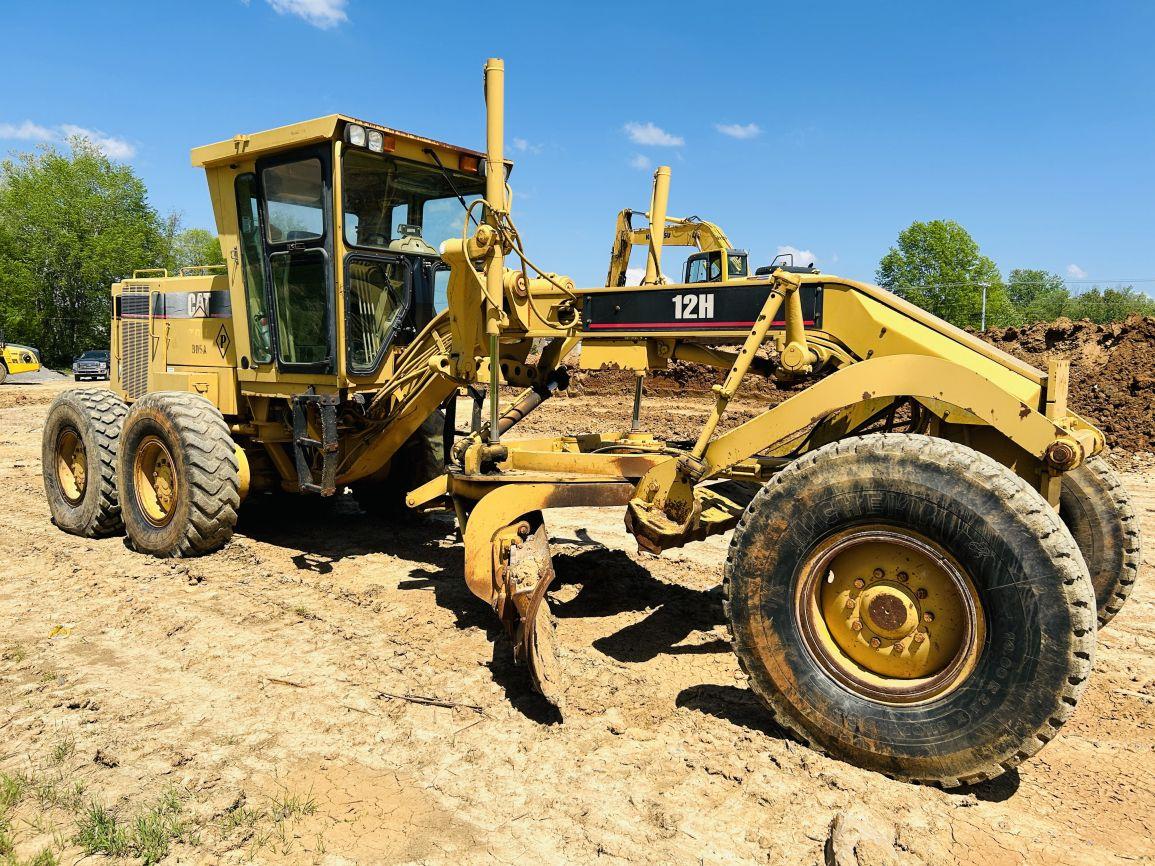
[[1112, 371], [680, 378], [1112, 374]]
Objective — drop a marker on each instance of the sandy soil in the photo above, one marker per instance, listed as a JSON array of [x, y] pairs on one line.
[[254, 689]]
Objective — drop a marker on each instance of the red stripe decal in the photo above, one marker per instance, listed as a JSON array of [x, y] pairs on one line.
[[698, 324]]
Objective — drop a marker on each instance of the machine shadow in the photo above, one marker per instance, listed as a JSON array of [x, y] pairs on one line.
[[611, 583], [734, 705]]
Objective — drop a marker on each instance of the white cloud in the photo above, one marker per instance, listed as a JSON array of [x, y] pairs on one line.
[[802, 258], [739, 130], [523, 145], [113, 147], [324, 14], [1076, 272], [26, 131], [640, 162], [634, 276], [649, 134]]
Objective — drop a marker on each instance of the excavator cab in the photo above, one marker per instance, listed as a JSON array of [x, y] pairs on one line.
[[716, 266]]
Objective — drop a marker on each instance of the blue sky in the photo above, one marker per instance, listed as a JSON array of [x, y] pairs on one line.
[[822, 127]]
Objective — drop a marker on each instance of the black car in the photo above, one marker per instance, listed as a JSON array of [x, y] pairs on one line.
[[93, 364]]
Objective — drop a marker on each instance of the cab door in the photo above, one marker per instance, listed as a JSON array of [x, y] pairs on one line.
[[296, 193]]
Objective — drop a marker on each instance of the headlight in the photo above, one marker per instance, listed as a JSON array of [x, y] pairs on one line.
[[75, 367], [376, 141], [355, 134]]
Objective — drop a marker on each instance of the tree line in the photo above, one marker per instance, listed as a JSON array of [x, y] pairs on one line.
[[74, 222], [938, 266], [71, 224]]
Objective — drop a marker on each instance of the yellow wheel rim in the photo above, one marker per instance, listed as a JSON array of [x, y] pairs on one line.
[[71, 465], [155, 480], [890, 615]]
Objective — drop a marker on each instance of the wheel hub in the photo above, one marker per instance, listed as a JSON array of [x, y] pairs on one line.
[[889, 610], [157, 487], [889, 614], [71, 465]]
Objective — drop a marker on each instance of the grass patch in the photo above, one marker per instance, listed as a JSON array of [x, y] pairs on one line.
[[44, 858], [12, 791], [289, 806], [146, 835], [64, 749], [240, 818], [16, 653]]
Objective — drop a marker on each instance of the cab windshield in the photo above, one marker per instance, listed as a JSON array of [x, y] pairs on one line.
[[404, 206]]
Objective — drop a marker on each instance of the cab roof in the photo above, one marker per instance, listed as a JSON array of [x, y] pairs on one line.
[[319, 129]]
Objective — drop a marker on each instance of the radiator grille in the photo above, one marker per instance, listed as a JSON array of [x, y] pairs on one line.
[[134, 322]]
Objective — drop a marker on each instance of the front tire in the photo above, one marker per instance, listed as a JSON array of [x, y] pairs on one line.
[[1096, 508], [850, 553], [78, 456], [178, 476]]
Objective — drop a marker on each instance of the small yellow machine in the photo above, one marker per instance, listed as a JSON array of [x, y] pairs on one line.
[[16, 359], [920, 538]]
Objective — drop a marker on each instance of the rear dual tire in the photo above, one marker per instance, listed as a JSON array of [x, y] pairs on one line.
[[1096, 508], [178, 476], [78, 454], [1016, 612]]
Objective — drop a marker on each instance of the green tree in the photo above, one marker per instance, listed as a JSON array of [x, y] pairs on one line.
[[1038, 295], [937, 265], [1110, 305], [1026, 285], [190, 247], [70, 225]]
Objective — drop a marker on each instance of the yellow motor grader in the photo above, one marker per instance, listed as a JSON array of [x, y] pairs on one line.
[[920, 539]]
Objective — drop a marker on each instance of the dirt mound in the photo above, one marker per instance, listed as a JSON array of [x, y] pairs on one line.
[[680, 378], [1112, 371]]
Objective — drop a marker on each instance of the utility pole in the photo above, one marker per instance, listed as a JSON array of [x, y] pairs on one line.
[[983, 325]]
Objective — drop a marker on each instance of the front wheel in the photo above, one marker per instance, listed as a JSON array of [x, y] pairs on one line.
[[178, 476], [912, 607]]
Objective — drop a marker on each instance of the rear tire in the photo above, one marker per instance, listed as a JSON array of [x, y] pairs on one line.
[[1022, 616], [1096, 508], [78, 458], [3, 372], [420, 459], [178, 476]]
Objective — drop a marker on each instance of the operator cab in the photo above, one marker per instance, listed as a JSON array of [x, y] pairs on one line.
[[337, 210], [716, 266]]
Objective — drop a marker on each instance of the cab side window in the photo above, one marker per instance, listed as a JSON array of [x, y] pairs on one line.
[[253, 267]]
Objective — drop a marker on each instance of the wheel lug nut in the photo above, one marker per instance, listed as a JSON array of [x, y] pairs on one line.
[[856, 626], [928, 617], [859, 583], [879, 574], [850, 604], [898, 648], [918, 637], [920, 592], [903, 576], [875, 642]]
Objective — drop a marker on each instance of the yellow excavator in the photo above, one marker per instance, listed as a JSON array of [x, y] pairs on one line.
[[716, 260]]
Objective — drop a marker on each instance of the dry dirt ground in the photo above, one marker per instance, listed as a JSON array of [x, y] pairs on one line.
[[241, 707]]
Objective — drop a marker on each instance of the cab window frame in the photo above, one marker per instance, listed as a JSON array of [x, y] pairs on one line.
[[351, 243], [372, 255], [252, 179], [324, 243]]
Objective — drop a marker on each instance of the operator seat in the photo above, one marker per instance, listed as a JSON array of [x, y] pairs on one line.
[[410, 241]]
